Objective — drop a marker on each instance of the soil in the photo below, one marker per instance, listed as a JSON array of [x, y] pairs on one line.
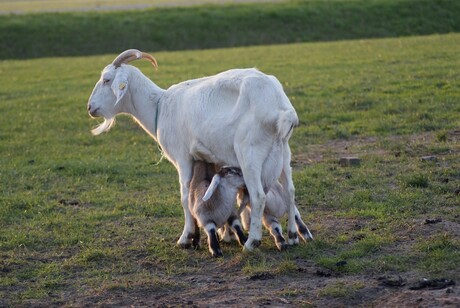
[[224, 288], [224, 284]]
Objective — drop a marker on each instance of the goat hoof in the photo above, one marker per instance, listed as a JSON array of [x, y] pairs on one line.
[[251, 244], [293, 239], [184, 246]]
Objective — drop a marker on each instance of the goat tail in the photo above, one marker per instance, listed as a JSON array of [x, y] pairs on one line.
[[286, 122]]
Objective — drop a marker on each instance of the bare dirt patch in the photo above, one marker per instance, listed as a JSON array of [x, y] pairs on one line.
[[219, 286]]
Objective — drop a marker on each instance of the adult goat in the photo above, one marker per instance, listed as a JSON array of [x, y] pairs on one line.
[[240, 118]]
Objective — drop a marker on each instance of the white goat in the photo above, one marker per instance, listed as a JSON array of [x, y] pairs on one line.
[[212, 203], [239, 118]]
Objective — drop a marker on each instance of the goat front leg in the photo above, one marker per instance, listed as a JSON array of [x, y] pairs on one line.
[[213, 241], [186, 240]]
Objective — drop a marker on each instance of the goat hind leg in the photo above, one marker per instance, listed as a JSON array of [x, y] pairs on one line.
[[226, 234], [302, 228], [196, 236], [235, 224], [251, 154], [288, 185], [257, 196], [272, 224]]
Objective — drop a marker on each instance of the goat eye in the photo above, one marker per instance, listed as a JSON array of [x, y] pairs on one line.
[[105, 81]]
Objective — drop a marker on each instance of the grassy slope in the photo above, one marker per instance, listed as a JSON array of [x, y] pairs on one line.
[[126, 216], [71, 34], [30, 6]]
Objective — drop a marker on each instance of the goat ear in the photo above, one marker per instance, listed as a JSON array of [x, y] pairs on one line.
[[120, 86], [212, 187]]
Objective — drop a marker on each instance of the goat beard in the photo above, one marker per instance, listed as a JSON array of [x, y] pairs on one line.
[[103, 127]]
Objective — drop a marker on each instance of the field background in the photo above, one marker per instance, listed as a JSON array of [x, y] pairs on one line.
[[93, 220]]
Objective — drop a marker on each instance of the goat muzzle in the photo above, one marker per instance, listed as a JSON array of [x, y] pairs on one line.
[[131, 55]]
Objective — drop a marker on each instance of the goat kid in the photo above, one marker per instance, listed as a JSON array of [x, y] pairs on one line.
[[276, 206], [239, 118], [212, 203]]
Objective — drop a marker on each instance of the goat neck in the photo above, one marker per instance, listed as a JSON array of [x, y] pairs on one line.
[[145, 105]]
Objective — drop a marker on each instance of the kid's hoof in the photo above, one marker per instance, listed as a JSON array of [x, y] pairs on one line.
[[305, 234], [217, 254], [282, 246], [196, 243], [307, 237]]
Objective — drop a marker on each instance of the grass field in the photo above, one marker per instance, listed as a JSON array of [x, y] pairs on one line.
[[93, 33], [90, 220], [38, 6]]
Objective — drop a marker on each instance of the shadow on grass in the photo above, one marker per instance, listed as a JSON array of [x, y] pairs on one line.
[[78, 33]]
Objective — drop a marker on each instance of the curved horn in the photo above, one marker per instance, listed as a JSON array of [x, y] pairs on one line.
[[131, 55]]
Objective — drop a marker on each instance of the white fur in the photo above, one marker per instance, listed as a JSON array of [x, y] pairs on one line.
[[239, 118]]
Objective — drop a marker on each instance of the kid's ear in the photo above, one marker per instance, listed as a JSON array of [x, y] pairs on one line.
[[120, 86], [212, 187]]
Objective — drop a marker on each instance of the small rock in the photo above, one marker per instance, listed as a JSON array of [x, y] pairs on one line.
[[69, 202], [322, 273], [432, 221], [349, 161], [433, 284], [341, 263], [261, 276], [429, 158], [392, 281]]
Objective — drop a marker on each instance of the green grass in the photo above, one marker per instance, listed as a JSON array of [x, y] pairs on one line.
[[83, 215], [85, 33], [34, 6]]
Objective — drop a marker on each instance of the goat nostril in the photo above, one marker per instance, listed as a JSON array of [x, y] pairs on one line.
[[89, 107]]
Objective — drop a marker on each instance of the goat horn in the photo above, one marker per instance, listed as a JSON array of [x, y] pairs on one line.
[[131, 55]]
